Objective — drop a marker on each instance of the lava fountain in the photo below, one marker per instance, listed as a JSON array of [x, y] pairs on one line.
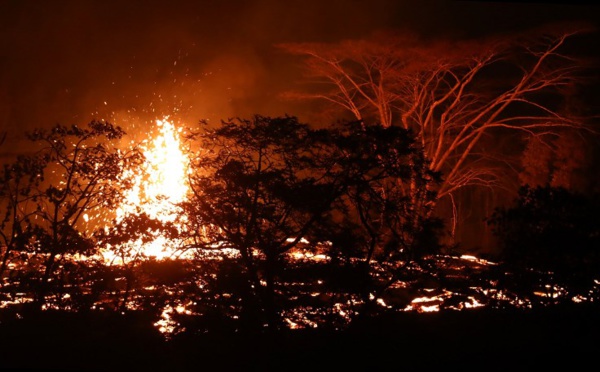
[[158, 186]]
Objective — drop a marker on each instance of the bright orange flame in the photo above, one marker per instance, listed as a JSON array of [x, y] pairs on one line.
[[166, 173], [158, 186]]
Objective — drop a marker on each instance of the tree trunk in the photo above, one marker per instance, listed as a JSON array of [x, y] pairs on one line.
[[269, 292], [40, 299]]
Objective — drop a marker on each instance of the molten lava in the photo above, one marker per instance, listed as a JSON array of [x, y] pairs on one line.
[[159, 185]]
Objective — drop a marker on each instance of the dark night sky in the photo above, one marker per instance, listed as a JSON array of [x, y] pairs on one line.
[[133, 61]]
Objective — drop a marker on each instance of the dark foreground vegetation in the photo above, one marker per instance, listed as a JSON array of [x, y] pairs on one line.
[[558, 338]]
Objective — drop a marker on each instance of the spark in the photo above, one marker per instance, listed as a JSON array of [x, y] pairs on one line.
[[158, 186]]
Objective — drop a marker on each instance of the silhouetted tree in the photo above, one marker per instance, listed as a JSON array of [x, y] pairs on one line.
[[125, 239], [550, 240], [19, 181], [383, 214], [389, 186], [262, 185], [59, 195], [256, 188]]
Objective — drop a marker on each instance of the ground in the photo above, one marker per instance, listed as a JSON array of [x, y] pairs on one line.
[[486, 340]]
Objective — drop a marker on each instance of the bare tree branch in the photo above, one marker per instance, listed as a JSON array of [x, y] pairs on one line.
[[451, 94]]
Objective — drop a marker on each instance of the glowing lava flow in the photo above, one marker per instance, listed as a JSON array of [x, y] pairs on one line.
[[158, 186]]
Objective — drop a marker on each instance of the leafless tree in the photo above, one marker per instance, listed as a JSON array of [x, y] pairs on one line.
[[456, 97]]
